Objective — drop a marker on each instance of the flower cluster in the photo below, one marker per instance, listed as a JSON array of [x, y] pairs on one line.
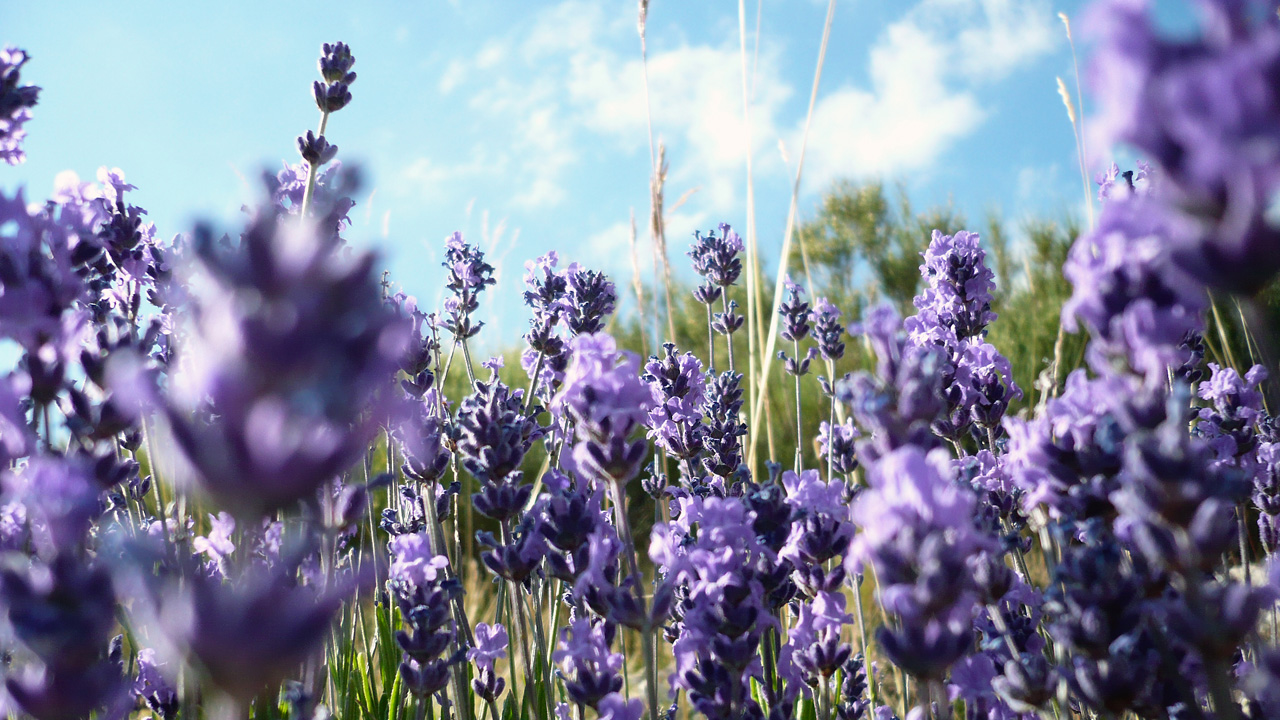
[[16, 101]]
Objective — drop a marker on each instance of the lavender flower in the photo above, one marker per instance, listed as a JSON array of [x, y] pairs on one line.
[[16, 102], [959, 285], [795, 313], [588, 300], [491, 646], [1136, 301], [493, 435], [420, 586], [1195, 104], [590, 670], [724, 611], [153, 687], [266, 410], [1229, 423], [333, 92], [605, 398], [679, 391], [827, 329], [715, 258], [469, 275], [723, 428], [62, 612], [838, 443], [917, 531], [897, 404]]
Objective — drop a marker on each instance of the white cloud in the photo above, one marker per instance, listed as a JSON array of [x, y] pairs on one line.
[[924, 75], [573, 80]]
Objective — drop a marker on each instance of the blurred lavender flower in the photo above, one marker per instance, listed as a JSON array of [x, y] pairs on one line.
[[153, 687], [1135, 300], [606, 399], [247, 632], [897, 404], [63, 612], [287, 364], [1198, 105], [916, 531], [16, 101]]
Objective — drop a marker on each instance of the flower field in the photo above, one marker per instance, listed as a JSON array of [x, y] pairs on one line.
[[243, 476]]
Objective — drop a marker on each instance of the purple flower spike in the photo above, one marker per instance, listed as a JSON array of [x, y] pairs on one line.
[[590, 670], [606, 399], [334, 93], [794, 312], [267, 410], [154, 687], [959, 285], [589, 299], [1201, 105], [469, 275], [715, 258], [827, 329], [16, 101]]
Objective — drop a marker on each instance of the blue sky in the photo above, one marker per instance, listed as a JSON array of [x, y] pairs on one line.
[[522, 123]]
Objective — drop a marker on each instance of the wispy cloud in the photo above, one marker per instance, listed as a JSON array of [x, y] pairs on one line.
[[925, 71]]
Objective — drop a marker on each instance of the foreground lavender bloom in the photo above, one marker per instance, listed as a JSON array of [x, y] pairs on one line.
[[39, 258], [715, 258], [724, 613], [1138, 304], [1197, 104], [62, 612], [917, 532], [267, 410], [16, 101], [247, 633]]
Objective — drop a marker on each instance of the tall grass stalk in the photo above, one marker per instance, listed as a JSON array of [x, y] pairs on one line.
[[791, 223]]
